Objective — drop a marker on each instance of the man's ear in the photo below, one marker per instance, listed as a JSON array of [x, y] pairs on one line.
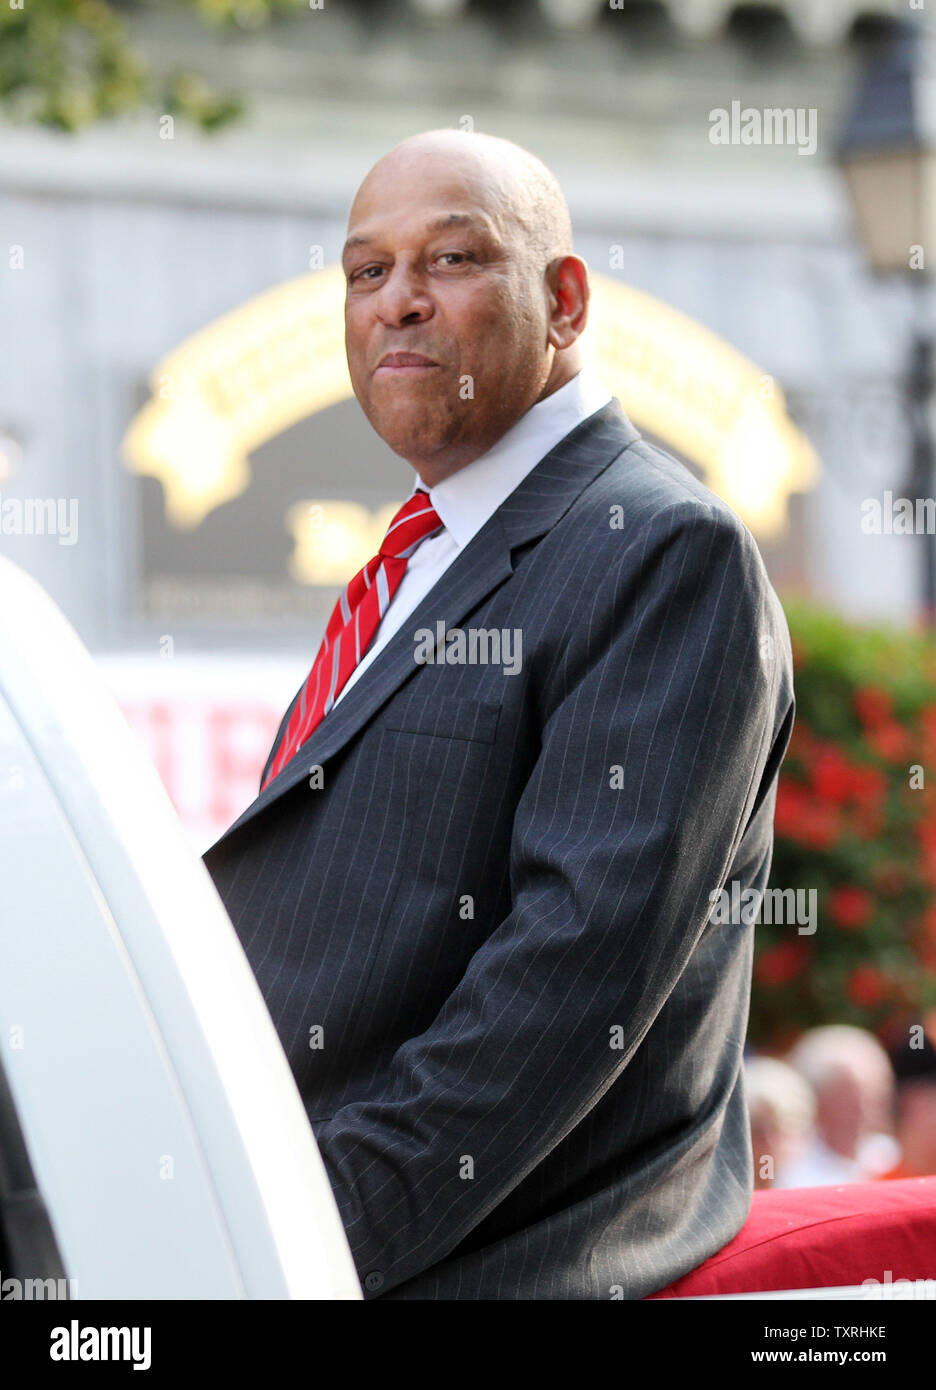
[[567, 284]]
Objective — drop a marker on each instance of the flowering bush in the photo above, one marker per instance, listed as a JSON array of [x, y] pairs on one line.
[[856, 821]]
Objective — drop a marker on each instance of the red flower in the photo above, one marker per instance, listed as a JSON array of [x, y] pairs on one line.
[[792, 799], [837, 782], [890, 741], [866, 986], [869, 785], [832, 776], [778, 965], [821, 826], [875, 707], [800, 816], [850, 907]]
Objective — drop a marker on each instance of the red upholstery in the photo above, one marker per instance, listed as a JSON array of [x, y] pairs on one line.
[[817, 1237]]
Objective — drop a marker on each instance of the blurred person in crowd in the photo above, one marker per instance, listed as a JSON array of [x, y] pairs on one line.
[[476, 885], [782, 1108], [915, 1108], [853, 1082]]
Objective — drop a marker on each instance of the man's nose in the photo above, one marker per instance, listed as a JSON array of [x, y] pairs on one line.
[[402, 298]]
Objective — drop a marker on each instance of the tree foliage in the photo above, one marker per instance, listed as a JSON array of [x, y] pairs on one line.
[[856, 823], [69, 63]]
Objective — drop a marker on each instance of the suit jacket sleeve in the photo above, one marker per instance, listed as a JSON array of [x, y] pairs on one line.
[[673, 676]]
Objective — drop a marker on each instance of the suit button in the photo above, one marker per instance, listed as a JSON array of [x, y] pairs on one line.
[[373, 1281]]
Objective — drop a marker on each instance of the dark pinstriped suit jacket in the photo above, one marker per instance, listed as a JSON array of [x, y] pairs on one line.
[[486, 952]]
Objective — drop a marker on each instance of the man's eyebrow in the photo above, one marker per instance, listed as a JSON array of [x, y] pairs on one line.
[[438, 224], [457, 219]]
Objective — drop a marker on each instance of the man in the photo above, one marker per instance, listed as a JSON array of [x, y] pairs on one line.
[[543, 730]]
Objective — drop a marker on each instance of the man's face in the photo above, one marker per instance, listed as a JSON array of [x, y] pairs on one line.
[[853, 1102], [446, 314]]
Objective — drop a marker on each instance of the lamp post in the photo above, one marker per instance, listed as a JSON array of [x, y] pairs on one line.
[[887, 152]]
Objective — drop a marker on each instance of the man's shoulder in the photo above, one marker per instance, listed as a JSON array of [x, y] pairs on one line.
[[645, 490], [646, 518]]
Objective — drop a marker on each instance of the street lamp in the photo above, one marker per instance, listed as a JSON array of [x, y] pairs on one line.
[[887, 152]]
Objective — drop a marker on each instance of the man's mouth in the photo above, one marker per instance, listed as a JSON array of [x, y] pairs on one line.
[[405, 364]]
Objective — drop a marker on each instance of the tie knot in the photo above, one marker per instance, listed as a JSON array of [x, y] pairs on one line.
[[415, 520]]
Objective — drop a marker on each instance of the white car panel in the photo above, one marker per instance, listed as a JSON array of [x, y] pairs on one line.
[[163, 1124]]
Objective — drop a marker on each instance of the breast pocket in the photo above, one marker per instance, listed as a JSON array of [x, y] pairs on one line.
[[438, 717], [446, 764], [444, 757]]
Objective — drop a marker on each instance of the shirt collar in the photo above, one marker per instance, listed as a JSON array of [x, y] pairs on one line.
[[467, 499]]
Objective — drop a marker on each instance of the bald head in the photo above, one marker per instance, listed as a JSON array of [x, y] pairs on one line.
[[517, 187], [464, 301]]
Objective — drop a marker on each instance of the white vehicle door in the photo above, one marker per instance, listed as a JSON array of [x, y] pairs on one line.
[[153, 1144]]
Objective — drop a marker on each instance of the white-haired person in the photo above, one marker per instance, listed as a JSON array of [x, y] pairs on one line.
[[782, 1109], [853, 1081]]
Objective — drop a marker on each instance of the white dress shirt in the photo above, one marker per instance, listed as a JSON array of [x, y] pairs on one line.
[[816, 1165], [467, 499]]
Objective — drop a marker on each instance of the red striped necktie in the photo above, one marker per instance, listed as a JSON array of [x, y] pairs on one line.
[[352, 625]]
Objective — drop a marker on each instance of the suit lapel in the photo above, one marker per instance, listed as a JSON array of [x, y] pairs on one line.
[[531, 510]]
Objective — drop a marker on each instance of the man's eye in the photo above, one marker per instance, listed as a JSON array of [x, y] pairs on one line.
[[458, 256], [364, 272]]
